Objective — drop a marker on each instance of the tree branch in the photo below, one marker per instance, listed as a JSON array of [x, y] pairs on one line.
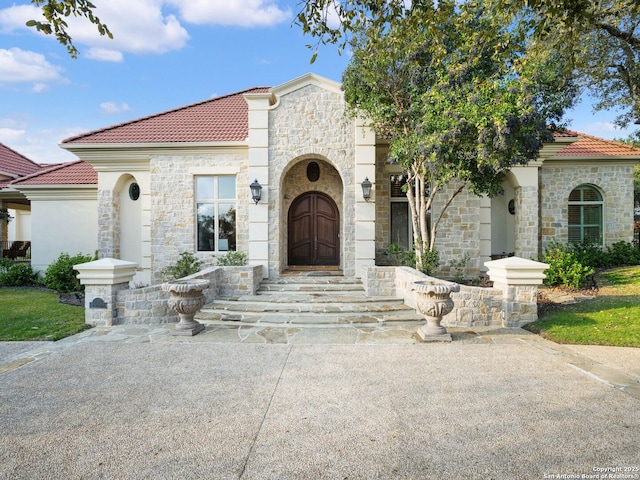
[[617, 33]]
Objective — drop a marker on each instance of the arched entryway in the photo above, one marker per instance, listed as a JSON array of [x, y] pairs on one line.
[[313, 230]]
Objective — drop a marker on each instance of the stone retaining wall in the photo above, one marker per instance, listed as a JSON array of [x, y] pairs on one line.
[[149, 304], [512, 306]]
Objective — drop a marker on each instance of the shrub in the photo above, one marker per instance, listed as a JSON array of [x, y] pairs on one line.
[[564, 267], [233, 259], [430, 261], [590, 254], [401, 256], [61, 276], [458, 267], [13, 274], [622, 253], [187, 264]]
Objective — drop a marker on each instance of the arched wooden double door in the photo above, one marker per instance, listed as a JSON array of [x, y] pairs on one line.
[[314, 230]]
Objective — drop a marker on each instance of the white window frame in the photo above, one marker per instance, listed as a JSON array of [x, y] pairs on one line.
[[216, 201]]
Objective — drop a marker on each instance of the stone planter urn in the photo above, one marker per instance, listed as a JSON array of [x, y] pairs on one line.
[[434, 301], [186, 299]]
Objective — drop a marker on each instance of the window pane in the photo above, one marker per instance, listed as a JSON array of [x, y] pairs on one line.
[[592, 214], [397, 188], [592, 234], [206, 233], [204, 188], [574, 215], [227, 187], [227, 227], [590, 194], [400, 224], [575, 196], [575, 235]]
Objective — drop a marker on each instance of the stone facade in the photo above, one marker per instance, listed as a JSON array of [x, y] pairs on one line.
[[304, 121], [526, 225], [108, 225], [173, 220], [310, 124], [615, 182]]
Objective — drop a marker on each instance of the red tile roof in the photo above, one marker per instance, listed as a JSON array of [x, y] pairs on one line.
[[15, 164], [589, 146], [221, 119], [564, 134], [72, 173]]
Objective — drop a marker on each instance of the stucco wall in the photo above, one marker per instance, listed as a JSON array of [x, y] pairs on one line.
[[616, 185], [63, 226]]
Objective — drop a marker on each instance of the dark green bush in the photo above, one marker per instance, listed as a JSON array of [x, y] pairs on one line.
[[590, 254], [430, 261], [622, 253], [402, 256], [187, 264], [61, 276], [13, 274], [564, 267]]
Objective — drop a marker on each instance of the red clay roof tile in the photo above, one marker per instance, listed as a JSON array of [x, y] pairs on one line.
[[77, 172], [589, 146], [15, 164], [221, 119]]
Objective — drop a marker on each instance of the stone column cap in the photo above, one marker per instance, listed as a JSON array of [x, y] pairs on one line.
[[106, 271], [516, 271]]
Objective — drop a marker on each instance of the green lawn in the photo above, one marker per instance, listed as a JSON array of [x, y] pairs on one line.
[[611, 318], [36, 314]]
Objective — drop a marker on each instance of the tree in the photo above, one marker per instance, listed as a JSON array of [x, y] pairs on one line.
[[55, 12], [602, 47], [600, 40], [456, 101]]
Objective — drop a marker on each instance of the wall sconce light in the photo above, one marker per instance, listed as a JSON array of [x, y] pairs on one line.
[[256, 191], [366, 189]]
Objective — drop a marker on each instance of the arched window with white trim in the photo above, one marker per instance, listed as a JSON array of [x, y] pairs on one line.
[[586, 215]]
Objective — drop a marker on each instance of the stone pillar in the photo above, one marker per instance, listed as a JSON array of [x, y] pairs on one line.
[[527, 210], [365, 212], [102, 280], [258, 138], [518, 279], [4, 229]]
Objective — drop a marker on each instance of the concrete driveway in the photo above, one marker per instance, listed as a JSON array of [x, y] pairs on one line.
[[134, 403]]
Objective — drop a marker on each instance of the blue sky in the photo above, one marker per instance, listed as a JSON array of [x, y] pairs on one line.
[[165, 54]]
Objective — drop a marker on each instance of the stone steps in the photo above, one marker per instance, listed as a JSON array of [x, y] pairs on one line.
[[310, 301]]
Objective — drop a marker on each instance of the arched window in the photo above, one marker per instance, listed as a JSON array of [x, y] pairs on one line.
[[585, 215]]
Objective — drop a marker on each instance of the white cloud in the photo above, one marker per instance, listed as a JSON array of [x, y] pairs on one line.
[[142, 27], [243, 13], [105, 55], [39, 145], [18, 66], [138, 27], [112, 108], [8, 135], [15, 17]]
